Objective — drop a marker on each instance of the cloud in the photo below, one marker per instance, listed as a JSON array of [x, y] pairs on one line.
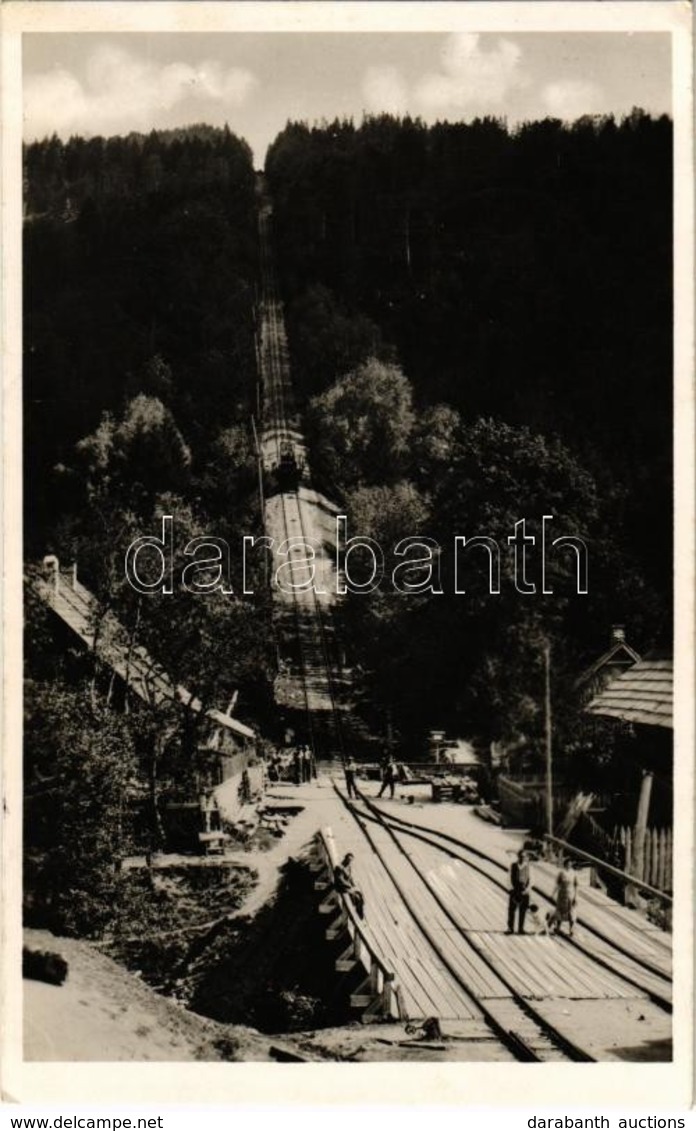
[[472, 78], [122, 91], [385, 90], [571, 98]]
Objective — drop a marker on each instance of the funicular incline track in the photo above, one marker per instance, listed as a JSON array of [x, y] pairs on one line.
[[282, 432]]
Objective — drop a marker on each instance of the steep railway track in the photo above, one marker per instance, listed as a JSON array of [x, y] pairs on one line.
[[281, 428]]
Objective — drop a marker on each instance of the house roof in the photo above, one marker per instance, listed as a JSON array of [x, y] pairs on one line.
[[104, 633], [643, 694], [611, 656]]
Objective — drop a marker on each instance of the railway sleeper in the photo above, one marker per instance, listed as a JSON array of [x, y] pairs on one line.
[[337, 926], [347, 960], [374, 1003], [330, 904]]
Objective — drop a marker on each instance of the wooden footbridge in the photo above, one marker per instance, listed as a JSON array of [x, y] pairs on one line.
[[433, 944]]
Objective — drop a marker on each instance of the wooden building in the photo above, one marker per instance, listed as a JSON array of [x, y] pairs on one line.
[[225, 746], [618, 658], [641, 702]]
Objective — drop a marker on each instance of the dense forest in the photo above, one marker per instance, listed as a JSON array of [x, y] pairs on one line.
[[140, 265], [480, 324]]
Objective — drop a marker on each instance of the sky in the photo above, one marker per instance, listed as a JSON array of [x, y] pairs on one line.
[[89, 84]]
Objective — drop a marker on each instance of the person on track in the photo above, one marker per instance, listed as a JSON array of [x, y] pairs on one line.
[[350, 770], [566, 897], [306, 764], [388, 776], [344, 883], [520, 885], [297, 766]]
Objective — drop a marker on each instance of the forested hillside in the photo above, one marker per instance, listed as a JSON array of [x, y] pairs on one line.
[[523, 274], [139, 268], [140, 376]]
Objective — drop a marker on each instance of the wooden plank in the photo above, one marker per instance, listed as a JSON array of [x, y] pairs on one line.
[[528, 967], [397, 926], [385, 923], [470, 968], [441, 1004], [539, 967]]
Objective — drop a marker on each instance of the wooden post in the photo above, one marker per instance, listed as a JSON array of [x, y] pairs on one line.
[[667, 885], [51, 562], [641, 826], [390, 1007], [330, 845]]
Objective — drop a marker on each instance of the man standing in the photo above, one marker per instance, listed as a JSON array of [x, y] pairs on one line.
[[349, 770], [388, 776], [306, 764], [520, 883], [297, 765]]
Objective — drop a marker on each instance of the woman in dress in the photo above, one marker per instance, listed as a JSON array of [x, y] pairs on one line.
[[565, 896]]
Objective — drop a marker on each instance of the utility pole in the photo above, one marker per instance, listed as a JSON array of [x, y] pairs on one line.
[[549, 747]]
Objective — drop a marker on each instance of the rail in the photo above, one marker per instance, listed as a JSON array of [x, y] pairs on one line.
[[595, 860], [382, 996], [274, 369], [518, 1045], [302, 663], [331, 685], [271, 370], [444, 841]]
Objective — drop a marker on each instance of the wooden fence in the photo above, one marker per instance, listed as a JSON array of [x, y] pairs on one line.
[[618, 848], [657, 856]]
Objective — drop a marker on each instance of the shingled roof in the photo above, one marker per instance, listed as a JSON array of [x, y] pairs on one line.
[[643, 694], [103, 633], [619, 656]]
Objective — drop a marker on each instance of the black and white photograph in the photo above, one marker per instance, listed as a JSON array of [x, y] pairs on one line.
[[349, 397]]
